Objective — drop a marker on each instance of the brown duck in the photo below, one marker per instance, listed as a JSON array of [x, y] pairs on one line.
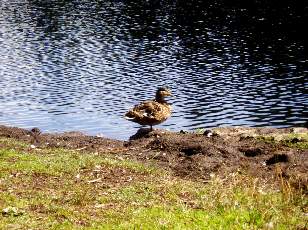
[[152, 112]]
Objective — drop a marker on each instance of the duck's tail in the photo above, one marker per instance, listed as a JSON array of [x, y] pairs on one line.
[[129, 116]]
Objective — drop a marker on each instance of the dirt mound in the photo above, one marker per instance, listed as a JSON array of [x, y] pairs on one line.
[[196, 156], [230, 150], [71, 140]]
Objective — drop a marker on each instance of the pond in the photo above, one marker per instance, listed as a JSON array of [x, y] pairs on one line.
[[80, 65]]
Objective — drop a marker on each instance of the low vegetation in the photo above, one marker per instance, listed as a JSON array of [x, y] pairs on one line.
[[51, 188], [294, 140]]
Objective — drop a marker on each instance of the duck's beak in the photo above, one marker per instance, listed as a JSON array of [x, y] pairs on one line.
[[171, 95]]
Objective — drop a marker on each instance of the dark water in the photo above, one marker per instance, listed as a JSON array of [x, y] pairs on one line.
[[79, 65]]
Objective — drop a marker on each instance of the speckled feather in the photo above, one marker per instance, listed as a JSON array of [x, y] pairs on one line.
[[151, 112]]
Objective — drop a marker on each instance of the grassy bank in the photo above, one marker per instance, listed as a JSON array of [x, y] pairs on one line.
[[70, 189]]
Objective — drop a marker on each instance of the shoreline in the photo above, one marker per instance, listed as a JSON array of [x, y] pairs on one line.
[[226, 130]]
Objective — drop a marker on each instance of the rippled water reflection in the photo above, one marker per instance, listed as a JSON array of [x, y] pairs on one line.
[[79, 65]]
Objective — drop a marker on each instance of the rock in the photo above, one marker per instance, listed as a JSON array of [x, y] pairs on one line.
[[12, 211], [299, 130]]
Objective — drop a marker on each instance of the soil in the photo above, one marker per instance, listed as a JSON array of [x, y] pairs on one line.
[[219, 152]]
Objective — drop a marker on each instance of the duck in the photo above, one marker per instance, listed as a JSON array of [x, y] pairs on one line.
[[151, 112]]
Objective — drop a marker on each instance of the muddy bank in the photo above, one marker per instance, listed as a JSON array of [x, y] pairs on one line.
[[266, 153]]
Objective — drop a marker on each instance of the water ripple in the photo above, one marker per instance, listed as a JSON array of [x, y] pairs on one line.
[[81, 66]]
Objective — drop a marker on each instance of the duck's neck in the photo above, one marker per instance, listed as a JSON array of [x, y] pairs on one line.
[[160, 99]]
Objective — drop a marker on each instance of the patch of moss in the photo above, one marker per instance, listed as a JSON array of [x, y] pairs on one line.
[[299, 141]]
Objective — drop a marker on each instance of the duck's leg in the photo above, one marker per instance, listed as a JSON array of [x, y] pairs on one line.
[[151, 128]]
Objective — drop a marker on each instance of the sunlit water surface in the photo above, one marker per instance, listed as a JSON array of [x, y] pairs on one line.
[[72, 65]]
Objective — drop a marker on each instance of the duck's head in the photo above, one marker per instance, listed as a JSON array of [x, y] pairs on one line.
[[162, 92]]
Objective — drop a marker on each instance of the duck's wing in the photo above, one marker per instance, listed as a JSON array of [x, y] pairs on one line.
[[150, 111], [145, 109]]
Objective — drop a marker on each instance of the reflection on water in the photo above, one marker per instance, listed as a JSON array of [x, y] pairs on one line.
[[72, 65]]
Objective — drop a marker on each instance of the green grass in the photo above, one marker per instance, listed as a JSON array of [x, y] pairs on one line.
[[293, 140], [66, 189]]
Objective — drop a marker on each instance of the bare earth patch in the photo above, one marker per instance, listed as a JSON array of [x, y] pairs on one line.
[[265, 153]]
